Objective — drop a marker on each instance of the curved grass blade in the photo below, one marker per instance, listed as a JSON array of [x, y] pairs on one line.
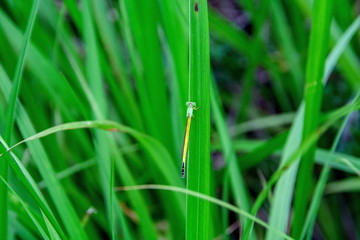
[[62, 203], [27, 210], [10, 117], [19, 70], [152, 146], [25, 177], [320, 186], [329, 120], [279, 213], [237, 182], [106, 125], [207, 198]]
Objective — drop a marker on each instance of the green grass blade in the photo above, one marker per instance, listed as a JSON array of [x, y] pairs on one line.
[[19, 70], [71, 171], [329, 120], [256, 59], [50, 228], [339, 161], [107, 35], [151, 85], [175, 27], [65, 210], [280, 220], [128, 62], [27, 210], [153, 147], [319, 42], [21, 230], [111, 199], [227, 31], [348, 66], [341, 45], [199, 165], [320, 186], [31, 186], [282, 29], [138, 201], [207, 198], [238, 185], [280, 209], [272, 121], [10, 117], [351, 184], [149, 143], [262, 151], [104, 144], [59, 89]]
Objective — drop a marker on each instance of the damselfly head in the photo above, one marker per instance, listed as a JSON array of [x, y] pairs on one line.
[[191, 104]]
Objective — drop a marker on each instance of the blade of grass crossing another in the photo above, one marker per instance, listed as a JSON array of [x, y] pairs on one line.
[[143, 18], [315, 203], [31, 186], [341, 46], [10, 118], [329, 120], [18, 72], [107, 35], [21, 231], [93, 73], [237, 182], [20, 171], [104, 144], [278, 220], [52, 232], [27, 210], [154, 149], [146, 223], [147, 226], [319, 45], [206, 198], [113, 126], [199, 166], [175, 28], [61, 201]]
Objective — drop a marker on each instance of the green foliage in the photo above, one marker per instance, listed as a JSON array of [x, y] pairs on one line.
[[94, 98], [313, 90], [199, 165]]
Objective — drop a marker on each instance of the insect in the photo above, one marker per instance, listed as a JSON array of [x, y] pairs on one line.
[[191, 106]]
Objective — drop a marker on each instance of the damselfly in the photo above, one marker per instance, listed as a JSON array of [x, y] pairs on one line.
[[191, 106]]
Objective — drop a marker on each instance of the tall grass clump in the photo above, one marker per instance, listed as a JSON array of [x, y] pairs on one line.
[[94, 107]]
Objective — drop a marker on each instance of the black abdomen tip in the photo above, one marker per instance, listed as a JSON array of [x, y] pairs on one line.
[[182, 170]]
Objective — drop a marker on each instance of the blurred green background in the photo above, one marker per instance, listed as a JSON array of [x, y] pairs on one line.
[[128, 61]]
